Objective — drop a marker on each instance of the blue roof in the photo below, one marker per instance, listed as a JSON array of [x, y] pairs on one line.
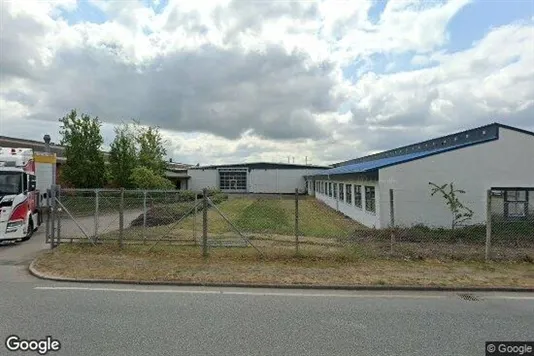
[[368, 166]]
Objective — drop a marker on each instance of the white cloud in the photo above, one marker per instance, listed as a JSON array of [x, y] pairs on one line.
[[235, 80]]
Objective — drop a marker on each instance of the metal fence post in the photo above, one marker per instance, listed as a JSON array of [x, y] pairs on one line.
[[121, 218], [195, 219], [144, 217], [58, 216], [392, 220], [488, 226], [297, 220], [96, 214], [204, 222], [48, 212], [53, 217]]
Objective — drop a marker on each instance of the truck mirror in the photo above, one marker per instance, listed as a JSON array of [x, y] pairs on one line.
[[32, 184]]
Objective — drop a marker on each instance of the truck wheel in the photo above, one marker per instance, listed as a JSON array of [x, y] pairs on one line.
[[30, 231]]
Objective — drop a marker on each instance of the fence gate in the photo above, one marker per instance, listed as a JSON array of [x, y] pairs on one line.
[[61, 223]]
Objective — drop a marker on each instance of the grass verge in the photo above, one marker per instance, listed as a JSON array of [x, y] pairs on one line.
[[184, 264], [275, 216]]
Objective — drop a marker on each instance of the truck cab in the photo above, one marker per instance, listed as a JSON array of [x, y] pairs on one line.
[[21, 200]]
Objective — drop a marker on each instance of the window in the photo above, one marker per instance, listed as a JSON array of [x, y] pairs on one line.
[[11, 183], [516, 203], [358, 196], [341, 192], [335, 190], [370, 199], [329, 189], [348, 191]]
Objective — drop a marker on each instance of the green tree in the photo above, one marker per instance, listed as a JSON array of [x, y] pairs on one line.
[[81, 136], [144, 178], [123, 156], [151, 153], [460, 213]]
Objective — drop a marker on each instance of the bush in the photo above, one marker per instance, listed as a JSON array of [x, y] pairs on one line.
[[144, 178], [166, 214], [163, 215], [219, 198]]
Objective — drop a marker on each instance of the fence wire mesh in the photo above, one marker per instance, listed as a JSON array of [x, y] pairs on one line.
[[335, 222]]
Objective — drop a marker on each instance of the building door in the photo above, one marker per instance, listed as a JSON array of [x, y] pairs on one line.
[[233, 183], [233, 179]]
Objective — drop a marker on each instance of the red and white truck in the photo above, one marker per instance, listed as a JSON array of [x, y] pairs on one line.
[[25, 176]]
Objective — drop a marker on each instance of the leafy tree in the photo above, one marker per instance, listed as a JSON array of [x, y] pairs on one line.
[[144, 178], [81, 136], [151, 152], [123, 156], [460, 213]]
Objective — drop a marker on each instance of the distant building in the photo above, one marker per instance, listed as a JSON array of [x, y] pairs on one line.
[[393, 186], [260, 177]]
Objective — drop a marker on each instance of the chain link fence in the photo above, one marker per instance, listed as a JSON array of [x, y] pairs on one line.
[[335, 225]]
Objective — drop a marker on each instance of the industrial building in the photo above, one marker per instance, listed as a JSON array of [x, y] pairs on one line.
[[261, 177], [392, 187], [175, 172]]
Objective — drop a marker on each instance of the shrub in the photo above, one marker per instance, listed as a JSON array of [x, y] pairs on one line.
[[144, 178], [166, 214]]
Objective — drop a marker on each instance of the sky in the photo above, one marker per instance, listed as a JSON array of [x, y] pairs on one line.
[[246, 81]]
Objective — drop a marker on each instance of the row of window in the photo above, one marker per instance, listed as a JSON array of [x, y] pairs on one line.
[[349, 193]]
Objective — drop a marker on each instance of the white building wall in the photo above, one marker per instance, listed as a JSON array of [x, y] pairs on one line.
[[280, 181], [273, 181], [506, 162], [201, 179], [369, 219]]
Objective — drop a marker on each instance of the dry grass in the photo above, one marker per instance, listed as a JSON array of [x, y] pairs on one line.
[[330, 267]]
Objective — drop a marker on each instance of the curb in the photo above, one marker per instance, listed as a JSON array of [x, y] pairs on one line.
[[44, 276]]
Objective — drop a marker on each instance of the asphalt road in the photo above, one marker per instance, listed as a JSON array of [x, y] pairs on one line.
[[135, 320], [142, 320]]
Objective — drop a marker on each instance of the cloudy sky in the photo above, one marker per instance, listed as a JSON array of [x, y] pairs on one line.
[[233, 81]]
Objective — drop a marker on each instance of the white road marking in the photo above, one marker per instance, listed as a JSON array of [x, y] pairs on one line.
[[246, 293], [509, 297], [281, 294]]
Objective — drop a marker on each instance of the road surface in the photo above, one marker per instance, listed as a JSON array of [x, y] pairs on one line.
[[117, 320], [135, 320]]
